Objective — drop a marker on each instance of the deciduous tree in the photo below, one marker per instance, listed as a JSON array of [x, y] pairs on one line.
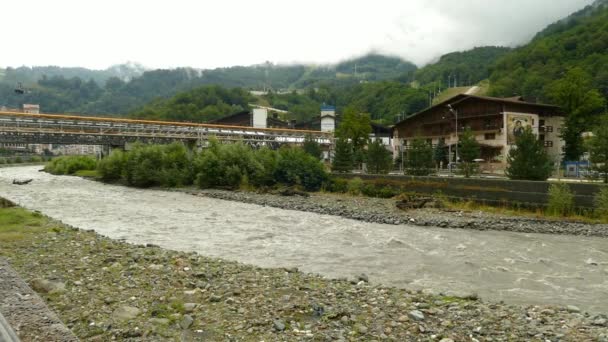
[[598, 147]]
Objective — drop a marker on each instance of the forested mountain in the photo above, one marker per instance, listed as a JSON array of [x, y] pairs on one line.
[[461, 68], [580, 40], [31, 75], [201, 104], [76, 90], [385, 101]]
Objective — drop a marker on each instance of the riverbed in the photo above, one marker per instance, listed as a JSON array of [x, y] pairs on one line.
[[515, 267]]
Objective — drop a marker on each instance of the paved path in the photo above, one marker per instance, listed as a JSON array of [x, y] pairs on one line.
[[26, 312], [472, 91]]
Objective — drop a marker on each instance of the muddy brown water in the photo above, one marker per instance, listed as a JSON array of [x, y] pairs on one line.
[[514, 267]]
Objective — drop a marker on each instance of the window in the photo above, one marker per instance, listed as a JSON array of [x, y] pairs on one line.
[[549, 129], [541, 137], [490, 136], [548, 143]]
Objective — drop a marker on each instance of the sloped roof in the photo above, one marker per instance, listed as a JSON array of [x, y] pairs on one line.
[[464, 97]]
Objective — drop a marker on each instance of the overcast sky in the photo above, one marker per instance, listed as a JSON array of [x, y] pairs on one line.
[[208, 34]]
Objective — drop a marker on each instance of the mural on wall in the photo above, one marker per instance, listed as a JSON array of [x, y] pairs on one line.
[[516, 125]]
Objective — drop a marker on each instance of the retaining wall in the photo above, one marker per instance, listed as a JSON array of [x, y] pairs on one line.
[[484, 190]]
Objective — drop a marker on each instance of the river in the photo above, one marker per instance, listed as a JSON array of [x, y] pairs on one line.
[[514, 267]]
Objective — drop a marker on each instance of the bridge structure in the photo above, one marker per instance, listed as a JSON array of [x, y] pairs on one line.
[[26, 128]]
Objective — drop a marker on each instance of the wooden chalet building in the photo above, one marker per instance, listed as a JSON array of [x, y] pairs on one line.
[[495, 122]]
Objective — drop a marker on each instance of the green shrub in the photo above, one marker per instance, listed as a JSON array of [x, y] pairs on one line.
[[268, 160], [369, 190], [149, 165], [18, 160], [387, 192], [338, 185], [68, 165], [111, 167], [226, 165], [36, 159], [2, 160], [601, 203], [561, 200], [296, 167], [355, 186]]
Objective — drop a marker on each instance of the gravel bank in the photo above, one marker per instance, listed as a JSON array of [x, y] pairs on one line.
[[105, 289], [384, 211]]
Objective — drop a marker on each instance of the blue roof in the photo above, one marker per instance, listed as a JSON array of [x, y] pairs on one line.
[[326, 108]]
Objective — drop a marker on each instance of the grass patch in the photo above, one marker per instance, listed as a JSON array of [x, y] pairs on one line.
[[16, 223], [519, 212], [87, 174], [449, 93]]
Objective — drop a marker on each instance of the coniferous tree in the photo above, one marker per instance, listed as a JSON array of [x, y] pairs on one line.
[[343, 157], [439, 154], [469, 151], [379, 159], [312, 147], [419, 158], [528, 159]]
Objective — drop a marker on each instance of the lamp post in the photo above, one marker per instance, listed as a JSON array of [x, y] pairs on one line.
[[455, 113]]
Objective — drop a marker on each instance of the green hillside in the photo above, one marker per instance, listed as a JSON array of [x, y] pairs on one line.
[[467, 67], [580, 40], [197, 105]]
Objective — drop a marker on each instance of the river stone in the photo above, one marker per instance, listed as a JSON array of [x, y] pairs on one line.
[[186, 322], [416, 315], [47, 286], [189, 307], [446, 340], [363, 277], [573, 309], [159, 321], [125, 313], [279, 325], [600, 321], [360, 328]]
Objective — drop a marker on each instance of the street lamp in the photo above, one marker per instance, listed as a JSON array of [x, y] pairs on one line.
[[455, 113]]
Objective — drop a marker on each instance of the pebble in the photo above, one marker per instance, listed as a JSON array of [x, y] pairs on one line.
[[125, 313], [573, 309], [186, 322], [279, 325], [360, 328], [189, 307], [416, 315]]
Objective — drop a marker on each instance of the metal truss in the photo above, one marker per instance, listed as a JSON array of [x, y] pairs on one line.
[[27, 128]]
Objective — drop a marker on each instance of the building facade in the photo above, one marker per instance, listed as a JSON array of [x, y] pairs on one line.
[[495, 122]]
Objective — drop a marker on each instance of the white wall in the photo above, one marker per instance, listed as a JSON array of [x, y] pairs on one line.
[[260, 117], [328, 124]]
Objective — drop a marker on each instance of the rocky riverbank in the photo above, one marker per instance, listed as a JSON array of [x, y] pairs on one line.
[[380, 210], [104, 289]]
